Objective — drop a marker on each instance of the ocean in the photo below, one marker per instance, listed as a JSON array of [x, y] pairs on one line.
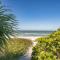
[[32, 33]]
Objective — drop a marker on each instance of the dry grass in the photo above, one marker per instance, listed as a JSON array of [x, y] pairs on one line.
[[14, 48]]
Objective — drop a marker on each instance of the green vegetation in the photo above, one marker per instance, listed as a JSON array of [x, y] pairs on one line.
[[14, 48], [10, 49], [7, 24], [47, 48]]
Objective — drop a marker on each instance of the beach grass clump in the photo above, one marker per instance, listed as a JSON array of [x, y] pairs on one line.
[[14, 48], [47, 48]]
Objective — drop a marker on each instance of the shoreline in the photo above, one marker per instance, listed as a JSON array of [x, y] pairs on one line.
[[28, 37]]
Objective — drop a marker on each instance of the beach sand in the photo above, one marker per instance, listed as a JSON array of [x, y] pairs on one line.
[[29, 37]]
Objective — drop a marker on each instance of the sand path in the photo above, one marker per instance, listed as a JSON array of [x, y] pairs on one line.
[[28, 54]]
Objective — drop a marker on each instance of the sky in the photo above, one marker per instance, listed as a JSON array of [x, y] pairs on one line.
[[35, 14]]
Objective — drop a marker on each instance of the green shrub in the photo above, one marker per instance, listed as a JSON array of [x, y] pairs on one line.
[[47, 48]]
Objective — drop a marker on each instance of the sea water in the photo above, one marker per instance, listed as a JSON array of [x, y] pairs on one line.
[[32, 33]]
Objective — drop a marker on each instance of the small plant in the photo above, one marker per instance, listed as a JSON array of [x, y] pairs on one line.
[[47, 48]]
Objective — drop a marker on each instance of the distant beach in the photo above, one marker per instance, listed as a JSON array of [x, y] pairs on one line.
[[28, 34]]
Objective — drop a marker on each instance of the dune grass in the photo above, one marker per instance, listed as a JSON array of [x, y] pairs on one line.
[[14, 48]]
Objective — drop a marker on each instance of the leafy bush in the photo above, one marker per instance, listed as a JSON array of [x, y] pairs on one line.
[[47, 48]]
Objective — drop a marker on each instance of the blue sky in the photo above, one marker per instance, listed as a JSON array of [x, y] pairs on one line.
[[36, 14]]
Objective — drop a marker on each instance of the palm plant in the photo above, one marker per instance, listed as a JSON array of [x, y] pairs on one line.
[[7, 24]]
